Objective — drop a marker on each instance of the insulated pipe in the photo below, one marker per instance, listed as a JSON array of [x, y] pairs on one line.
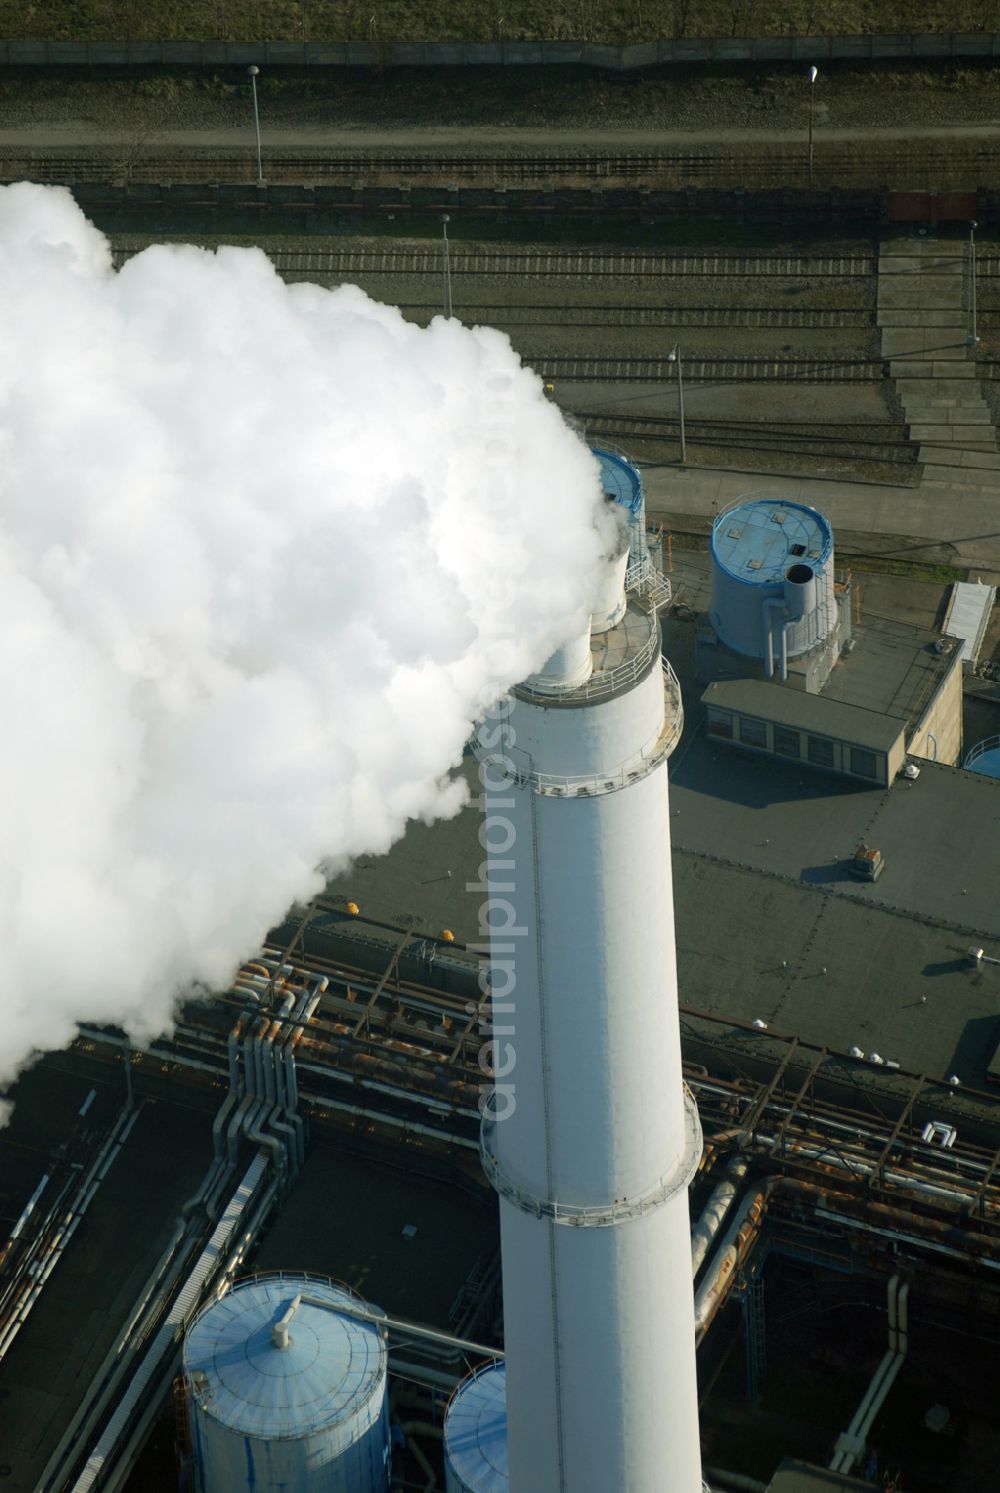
[[402, 1328], [784, 649], [419, 1373], [899, 1224], [250, 1102], [393, 1122], [714, 1215], [411, 1428], [732, 1248], [851, 1443], [987, 1259], [285, 1127], [858, 1167], [258, 1057], [219, 1123], [288, 1050], [255, 1130], [897, 1334], [774, 604], [852, 1131], [267, 1062], [278, 1065]]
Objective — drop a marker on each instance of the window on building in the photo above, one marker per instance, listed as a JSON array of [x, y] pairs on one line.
[[787, 743], [820, 751], [865, 764], [753, 732], [720, 723]]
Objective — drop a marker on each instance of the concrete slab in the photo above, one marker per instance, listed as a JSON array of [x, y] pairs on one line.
[[893, 263], [973, 436], [916, 293], [941, 342], [943, 456], [953, 368], [934, 433], [934, 262], [968, 479], [983, 427], [952, 413], [950, 392], [905, 368], [889, 316], [958, 456]]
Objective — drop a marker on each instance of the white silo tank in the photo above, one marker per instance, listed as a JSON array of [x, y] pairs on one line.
[[475, 1434], [286, 1390]]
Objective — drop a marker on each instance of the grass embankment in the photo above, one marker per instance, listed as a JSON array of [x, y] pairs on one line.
[[387, 21]]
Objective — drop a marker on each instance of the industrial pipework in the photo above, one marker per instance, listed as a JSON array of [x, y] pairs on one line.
[[591, 1138]]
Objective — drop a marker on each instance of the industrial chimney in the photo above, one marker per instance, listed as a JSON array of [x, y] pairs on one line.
[[590, 1138]]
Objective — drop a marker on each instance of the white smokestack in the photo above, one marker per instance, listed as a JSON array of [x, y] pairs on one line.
[[265, 551], [592, 1140]]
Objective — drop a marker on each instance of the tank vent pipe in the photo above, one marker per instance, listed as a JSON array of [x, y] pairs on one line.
[[280, 1336]]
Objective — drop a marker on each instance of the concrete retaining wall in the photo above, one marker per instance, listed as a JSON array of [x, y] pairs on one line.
[[272, 54]]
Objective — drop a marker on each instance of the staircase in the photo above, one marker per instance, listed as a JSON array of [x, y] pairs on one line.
[[924, 325]]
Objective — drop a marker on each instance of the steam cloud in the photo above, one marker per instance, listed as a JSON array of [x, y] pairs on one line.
[[265, 551]]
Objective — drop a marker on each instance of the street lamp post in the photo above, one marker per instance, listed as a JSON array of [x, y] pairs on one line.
[[253, 70], [675, 357], [445, 220], [972, 340], [812, 80]]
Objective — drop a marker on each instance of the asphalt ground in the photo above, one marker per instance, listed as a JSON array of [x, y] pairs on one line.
[[91, 1291]]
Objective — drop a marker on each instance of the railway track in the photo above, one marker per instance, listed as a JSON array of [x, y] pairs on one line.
[[717, 370], [888, 442], [559, 264], [672, 317], [835, 163]]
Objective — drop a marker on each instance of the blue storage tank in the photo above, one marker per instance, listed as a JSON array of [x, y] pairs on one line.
[[772, 578], [287, 1390], [984, 758], [475, 1434]]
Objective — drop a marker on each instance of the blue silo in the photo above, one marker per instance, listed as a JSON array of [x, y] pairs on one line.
[[772, 580], [984, 758], [622, 481], [475, 1434], [286, 1385]]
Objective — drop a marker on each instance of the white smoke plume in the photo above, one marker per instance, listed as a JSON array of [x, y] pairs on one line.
[[265, 551]]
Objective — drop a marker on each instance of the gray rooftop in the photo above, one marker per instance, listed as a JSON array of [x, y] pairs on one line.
[[764, 904], [893, 669], [819, 714], [940, 835]]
